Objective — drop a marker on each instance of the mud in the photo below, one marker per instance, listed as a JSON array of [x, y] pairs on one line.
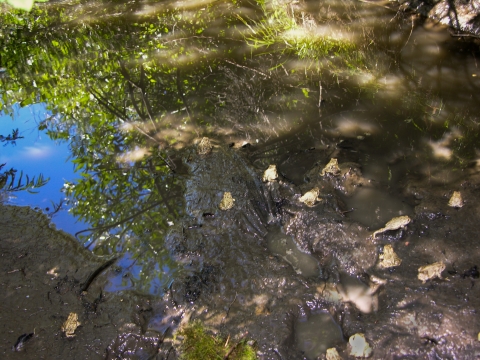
[[240, 285], [257, 285], [42, 273]]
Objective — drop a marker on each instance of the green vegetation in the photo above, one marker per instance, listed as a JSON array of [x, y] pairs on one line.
[[199, 344]]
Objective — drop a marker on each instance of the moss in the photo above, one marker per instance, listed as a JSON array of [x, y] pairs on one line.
[[198, 344]]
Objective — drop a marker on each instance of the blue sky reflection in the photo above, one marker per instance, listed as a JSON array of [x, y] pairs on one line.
[[34, 154]]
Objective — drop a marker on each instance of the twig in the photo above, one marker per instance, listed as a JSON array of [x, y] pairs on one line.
[[236, 345], [229, 306]]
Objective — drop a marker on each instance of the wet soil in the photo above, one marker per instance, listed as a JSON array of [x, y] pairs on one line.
[[42, 275], [239, 287]]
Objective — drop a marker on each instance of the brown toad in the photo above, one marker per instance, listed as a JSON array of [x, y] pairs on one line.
[[204, 146], [431, 271], [331, 168], [456, 200], [270, 174], [389, 258], [70, 325], [227, 201], [310, 197], [394, 224]]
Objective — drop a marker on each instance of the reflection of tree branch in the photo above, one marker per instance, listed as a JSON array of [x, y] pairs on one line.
[[97, 272], [159, 188], [104, 102], [246, 68], [462, 35], [180, 92], [106, 227]]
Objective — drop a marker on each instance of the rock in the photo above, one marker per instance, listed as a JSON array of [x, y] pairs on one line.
[[359, 346]]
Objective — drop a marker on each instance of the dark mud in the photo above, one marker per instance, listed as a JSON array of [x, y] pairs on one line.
[[42, 273], [242, 278]]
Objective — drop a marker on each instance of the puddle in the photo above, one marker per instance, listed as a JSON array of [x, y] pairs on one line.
[[283, 245], [317, 333], [373, 208]]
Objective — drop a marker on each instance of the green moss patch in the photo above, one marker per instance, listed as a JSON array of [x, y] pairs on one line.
[[198, 344]]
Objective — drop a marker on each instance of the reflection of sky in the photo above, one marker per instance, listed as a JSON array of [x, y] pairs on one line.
[[36, 154]]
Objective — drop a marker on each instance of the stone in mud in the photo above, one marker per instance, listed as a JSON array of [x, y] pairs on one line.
[[359, 346]]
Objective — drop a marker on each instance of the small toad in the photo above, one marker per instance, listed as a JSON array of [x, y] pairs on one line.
[[70, 325], [227, 201], [431, 271], [456, 200], [270, 174], [331, 168], [394, 224], [204, 146], [310, 197], [389, 259], [332, 354]]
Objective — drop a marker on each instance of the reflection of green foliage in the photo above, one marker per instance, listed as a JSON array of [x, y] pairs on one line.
[[23, 4], [278, 30], [9, 181], [198, 344]]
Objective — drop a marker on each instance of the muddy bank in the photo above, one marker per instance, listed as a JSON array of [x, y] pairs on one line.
[[42, 274]]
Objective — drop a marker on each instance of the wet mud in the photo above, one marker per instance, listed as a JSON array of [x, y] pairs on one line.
[[269, 268]]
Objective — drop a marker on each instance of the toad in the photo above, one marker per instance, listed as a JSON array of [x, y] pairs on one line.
[[270, 174], [227, 201], [204, 147], [431, 271], [389, 258], [456, 200], [331, 168], [70, 325], [394, 224], [310, 197]]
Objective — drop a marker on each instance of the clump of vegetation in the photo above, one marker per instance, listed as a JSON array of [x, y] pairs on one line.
[[198, 344]]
